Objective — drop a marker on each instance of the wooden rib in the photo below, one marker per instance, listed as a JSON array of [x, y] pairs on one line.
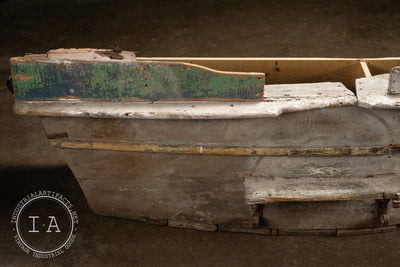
[[365, 68]]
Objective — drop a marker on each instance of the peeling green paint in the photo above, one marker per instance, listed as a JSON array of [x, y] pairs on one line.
[[134, 80]]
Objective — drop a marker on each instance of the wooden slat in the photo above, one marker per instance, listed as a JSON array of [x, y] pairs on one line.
[[365, 68], [263, 190]]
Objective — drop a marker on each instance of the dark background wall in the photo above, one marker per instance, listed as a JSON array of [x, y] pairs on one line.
[[178, 28]]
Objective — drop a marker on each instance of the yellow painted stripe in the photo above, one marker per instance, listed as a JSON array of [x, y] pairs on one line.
[[227, 150]]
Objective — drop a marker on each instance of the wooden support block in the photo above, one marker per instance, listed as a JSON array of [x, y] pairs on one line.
[[194, 226], [394, 81], [260, 231]]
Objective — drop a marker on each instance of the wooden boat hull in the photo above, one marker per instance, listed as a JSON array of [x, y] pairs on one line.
[[306, 159]]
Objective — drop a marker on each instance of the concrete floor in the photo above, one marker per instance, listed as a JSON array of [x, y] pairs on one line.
[[178, 28]]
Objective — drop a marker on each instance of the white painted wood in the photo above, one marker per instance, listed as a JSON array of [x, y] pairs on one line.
[[278, 99], [372, 92], [394, 81], [193, 225], [90, 54]]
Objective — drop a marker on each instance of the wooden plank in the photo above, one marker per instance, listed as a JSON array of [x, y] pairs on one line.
[[210, 189], [38, 77], [264, 190], [278, 99], [100, 164], [284, 70], [338, 127]]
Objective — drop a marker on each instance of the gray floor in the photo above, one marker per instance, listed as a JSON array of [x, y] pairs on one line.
[[178, 28]]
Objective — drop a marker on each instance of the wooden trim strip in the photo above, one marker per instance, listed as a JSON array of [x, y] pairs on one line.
[[227, 150], [365, 68]]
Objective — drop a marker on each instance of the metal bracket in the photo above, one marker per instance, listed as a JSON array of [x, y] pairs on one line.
[[396, 202]]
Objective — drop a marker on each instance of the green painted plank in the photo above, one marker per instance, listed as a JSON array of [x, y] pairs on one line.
[[46, 79]]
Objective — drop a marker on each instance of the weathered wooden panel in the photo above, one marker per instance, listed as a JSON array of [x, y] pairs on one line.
[[180, 188], [103, 164], [190, 199], [269, 190], [198, 188], [350, 126], [42, 78]]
